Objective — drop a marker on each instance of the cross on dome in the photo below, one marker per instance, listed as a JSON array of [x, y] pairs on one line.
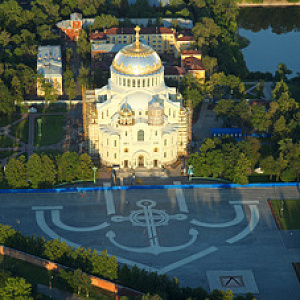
[[137, 36]]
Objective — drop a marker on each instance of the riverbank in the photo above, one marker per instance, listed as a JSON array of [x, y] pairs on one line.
[[268, 3]]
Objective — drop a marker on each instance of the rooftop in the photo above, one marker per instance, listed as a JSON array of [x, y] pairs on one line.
[[193, 63], [49, 60], [112, 48], [147, 30]]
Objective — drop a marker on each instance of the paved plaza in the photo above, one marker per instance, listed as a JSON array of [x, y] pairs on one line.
[[224, 238]]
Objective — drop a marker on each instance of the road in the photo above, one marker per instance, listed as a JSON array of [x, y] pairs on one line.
[[201, 236]]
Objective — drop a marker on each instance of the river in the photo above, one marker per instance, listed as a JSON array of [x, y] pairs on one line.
[[274, 38]]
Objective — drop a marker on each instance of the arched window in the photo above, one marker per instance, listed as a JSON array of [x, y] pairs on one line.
[[155, 149], [140, 135]]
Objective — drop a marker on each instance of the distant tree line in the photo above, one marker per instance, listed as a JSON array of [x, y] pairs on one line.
[[279, 19], [43, 171]]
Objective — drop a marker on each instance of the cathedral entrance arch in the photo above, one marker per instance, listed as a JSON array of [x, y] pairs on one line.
[[125, 163], [141, 161]]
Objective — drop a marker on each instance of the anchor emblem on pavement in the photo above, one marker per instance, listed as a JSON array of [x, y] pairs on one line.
[[151, 219]]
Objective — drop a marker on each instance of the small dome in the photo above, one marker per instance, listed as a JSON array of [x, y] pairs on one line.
[[137, 59], [126, 110]]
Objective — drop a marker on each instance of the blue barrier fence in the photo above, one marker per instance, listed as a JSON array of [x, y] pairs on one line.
[[150, 187]]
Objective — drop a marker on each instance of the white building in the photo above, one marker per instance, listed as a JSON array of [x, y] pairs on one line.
[[49, 65], [136, 120]]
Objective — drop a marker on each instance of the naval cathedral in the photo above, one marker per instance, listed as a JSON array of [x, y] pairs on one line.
[[136, 120]]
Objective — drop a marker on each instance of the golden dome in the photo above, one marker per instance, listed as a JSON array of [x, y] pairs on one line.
[[126, 110], [137, 59]]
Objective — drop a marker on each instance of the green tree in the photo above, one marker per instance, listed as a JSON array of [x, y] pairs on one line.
[[280, 128], [46, 12], [67, 167], [16, 288], [210, 65], [224, 109], [50, 93], [49, 172], [4, 38], [267, 165], [281, 72], [84, 77], [85, 167], [69, 55], [15, 173], [241, 169], [11, 14], [280, 88], [57, 251], [1, 175], [83, 45], [35, 170], [193, 96], [7, 106], [259, 118], [70, 85], [105, 21], [206, 34]]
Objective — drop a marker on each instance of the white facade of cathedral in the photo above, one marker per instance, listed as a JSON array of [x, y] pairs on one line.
[[138, 121]]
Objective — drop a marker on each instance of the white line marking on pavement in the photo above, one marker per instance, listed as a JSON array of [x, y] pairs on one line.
[[110, 205], [155, 249], [244, 202], [46, 207], [252, 224], [40, 219], [188, 259], [181, 199], [57, 221], [239, 216]]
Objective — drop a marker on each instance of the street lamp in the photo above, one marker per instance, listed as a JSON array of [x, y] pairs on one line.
[[190, 172], [282, 209], [94, 169]]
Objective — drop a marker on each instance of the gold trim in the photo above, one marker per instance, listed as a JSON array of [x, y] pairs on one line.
[[137, 70]]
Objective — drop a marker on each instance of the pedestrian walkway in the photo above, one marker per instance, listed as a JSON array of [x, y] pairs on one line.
[[23, 147], [57, 294]]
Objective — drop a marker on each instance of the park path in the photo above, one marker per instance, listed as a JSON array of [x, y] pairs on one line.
[[29, 147], [57, 294], [207, 120], [30, 135], [268, 86]]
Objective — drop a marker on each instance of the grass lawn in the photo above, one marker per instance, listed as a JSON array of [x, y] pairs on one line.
[[54, 107], [20, 131], [52, 130], [4, 154], [4, 120], [6, 142], [35, 275], [290, 219], [259, 178], [248, 86]]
